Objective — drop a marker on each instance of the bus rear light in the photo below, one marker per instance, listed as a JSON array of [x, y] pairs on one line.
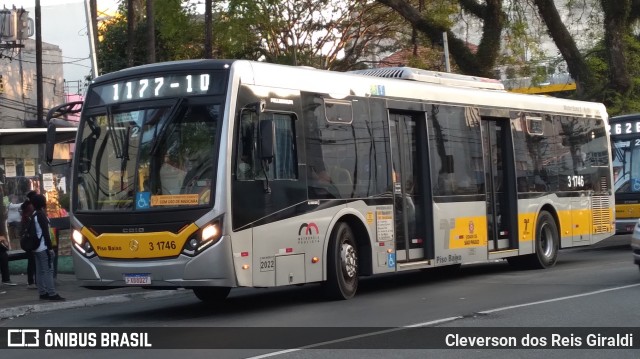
[[245, 266], [315, 260]]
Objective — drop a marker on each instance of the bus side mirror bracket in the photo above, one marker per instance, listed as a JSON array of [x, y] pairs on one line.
[[51, 142], [267, 140]]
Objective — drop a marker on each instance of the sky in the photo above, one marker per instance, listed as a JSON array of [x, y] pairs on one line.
[[64, 24]]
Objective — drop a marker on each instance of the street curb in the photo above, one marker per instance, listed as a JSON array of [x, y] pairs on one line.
[[14, 312]]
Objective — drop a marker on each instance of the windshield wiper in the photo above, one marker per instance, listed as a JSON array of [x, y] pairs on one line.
[[111, 125], [125, 157], [162, 127]]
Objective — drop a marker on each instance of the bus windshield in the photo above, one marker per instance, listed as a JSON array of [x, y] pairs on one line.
[[626, 167], [145, 158]]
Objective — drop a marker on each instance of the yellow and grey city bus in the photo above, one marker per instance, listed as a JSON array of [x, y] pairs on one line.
[[216, 174], [625, 141]]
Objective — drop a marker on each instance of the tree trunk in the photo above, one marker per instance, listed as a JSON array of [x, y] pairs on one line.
[[130, 32], [565, 43], [616, 15], [208, 50], [151, 33], [480, 63]]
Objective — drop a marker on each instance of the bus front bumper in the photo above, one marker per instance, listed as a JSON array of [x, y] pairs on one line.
[[213, 267], [626, 225]]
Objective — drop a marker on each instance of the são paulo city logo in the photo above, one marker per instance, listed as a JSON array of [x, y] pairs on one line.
[[308, 233]]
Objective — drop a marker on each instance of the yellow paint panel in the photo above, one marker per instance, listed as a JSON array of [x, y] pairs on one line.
[[139, 245], [526, 227], [469, 232], [546, 89], [628, 211]]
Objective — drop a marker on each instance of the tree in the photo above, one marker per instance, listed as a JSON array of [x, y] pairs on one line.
[[480, 62], [607, 71], [330, 34], [177, 36], [151, 33]]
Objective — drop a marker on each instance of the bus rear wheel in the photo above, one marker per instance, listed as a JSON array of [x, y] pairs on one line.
[[546, 245], [342, 264], [547, 241], [211, 294]]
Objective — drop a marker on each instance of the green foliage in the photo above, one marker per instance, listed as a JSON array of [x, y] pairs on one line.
[[617, 103], [334, 34], [177, 36]]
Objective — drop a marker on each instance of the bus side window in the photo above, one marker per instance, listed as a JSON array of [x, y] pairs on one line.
[[246, 146]]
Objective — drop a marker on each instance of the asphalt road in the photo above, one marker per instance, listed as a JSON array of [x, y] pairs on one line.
[[592, 289]]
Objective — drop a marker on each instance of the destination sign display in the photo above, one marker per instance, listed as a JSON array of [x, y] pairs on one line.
[[155, 87], [625, 127]]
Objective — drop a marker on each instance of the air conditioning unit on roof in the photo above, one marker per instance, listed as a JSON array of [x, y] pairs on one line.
[[443, 78]]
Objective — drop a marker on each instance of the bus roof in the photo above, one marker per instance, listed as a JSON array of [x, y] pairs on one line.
[[624, 117], [343, 84]]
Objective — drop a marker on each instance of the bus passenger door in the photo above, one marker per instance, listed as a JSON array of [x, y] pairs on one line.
[[407, 131], [502, 198]]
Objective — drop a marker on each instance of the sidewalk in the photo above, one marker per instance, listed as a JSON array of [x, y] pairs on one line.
[[19, 300]]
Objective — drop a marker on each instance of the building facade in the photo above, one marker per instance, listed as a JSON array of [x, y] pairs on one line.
[[18, 89]]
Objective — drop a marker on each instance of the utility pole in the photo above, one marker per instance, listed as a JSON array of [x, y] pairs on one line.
[[445, 44], [208, 50], [90, 8], [39, 95]]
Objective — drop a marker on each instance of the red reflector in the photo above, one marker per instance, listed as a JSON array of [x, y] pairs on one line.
[[244, 254], [381, 244], [289, 250]]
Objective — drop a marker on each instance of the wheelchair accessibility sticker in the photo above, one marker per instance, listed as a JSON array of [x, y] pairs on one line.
[[391, 260], [143, 200]]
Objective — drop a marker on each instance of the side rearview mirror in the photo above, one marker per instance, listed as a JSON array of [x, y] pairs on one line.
[[51, 142], [267, 140]]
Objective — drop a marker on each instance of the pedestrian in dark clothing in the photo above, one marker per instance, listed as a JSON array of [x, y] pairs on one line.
[[44, 254], [4, 261], [4, 246], [26, 209]]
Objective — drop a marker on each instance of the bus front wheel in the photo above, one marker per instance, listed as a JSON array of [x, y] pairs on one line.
[[342, 264], [211, 294]]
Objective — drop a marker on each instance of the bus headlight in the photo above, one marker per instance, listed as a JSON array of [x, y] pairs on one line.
[[203, 238], [81, 244]]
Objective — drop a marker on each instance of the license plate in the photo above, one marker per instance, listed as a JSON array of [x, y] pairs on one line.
[[137, 278]]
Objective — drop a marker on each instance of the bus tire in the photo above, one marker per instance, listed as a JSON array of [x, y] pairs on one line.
[[342, 264], [547, 241], [211, 294]]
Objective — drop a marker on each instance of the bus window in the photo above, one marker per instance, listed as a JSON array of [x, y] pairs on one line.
[[248, 165], [456, 151]]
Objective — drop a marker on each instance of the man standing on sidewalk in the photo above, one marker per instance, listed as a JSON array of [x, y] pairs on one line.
[[26, 210], [4, 245], [44, 254], [4, 261]]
